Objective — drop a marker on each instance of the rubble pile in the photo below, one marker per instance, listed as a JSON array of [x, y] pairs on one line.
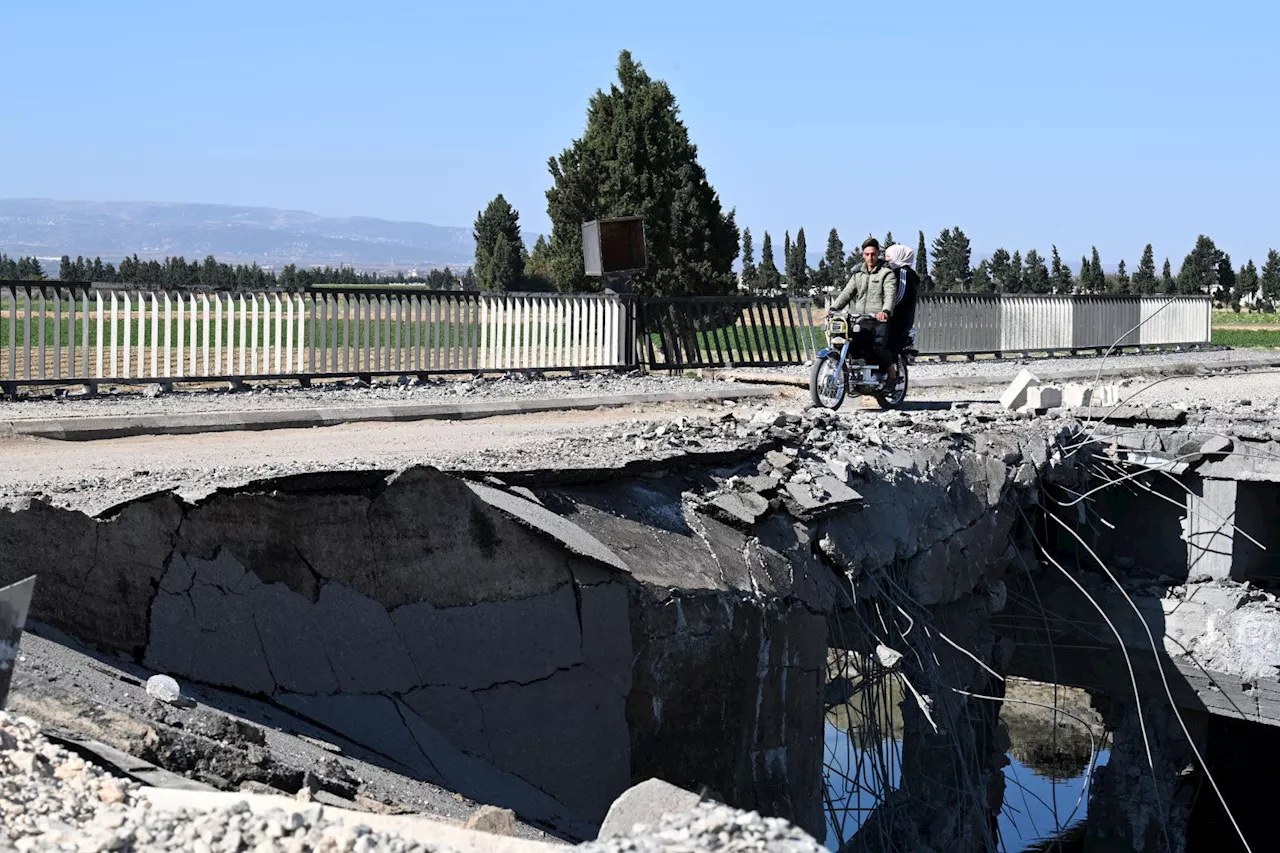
[[709, 827], [54, 800]]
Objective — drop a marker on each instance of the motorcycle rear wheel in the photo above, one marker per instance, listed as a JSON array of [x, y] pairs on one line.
[[896, 396]]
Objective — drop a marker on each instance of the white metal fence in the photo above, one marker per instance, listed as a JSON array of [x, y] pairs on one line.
[[50, 333], [980, 323]]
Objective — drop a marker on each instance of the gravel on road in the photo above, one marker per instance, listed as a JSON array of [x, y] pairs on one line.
[[1137, 363], [710, 827], [131, 400]]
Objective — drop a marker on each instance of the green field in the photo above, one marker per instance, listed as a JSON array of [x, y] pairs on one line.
[[1246, 338], [1244, 318]]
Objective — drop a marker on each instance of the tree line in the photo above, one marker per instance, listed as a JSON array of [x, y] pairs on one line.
[[945, 266], [176, 273], [635, 157]]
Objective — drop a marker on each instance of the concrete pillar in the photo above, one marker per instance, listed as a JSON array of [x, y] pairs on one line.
[[1133, 808], [1210, 528]]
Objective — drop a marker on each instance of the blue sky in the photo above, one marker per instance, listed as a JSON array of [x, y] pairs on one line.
[[1076, 123]]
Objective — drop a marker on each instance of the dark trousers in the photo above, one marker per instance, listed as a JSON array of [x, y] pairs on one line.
[[873, 343]]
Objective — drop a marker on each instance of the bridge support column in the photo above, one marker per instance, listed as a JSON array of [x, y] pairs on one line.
[[1133, 807]]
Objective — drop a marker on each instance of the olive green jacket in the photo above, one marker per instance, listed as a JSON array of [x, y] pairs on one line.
[[869, 291]]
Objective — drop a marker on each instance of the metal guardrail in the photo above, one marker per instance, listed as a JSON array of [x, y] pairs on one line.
[[973, 324], [696, 331], [80, 333]]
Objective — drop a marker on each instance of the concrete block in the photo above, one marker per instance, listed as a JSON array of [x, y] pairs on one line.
[[1042, 397], [1075, 395], [646, 803], [1016, 394]]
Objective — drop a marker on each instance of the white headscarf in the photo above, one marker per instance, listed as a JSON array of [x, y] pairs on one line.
[[898, 256]]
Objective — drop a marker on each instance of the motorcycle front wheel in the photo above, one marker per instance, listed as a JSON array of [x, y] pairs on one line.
[[826, 385]]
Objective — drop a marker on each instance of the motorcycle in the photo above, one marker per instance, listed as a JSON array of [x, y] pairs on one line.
[[838, 372]]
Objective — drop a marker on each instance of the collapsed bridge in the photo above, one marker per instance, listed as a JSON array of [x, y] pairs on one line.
[[544, 640]]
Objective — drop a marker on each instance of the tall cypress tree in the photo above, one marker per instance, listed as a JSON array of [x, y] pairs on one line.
[[888, 240], [1168, 286], [1097, 278], [1060, 274], [922, 258], [1144, 277], [997, 269], [834, 258], [770, 280], [1247, 281], [786, 259], [1271, 277], [1085, 279], [750, 276], [636, 158], [1123, 285], [1227, 292], [799, 272], [500, 251]]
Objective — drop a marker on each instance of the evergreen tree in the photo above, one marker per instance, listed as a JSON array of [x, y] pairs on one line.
[[1123, 285], [888, 240], [981, 281], [770, 280], [1227, 292], [1271, 277], [499, 249], [997, 268], [537, 269], [951, 258], [834, 258], [922, 258], [66, 270], [1060, 274], [635, 157], [1144, 278], [1016, 275], [1247, 281], [1168, 286], [1036, 277], [786, 260], [1097, 278], [798, 274], [750, 276], [1085, 279], [1199, 273]]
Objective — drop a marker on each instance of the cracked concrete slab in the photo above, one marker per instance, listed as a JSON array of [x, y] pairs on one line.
[[477, 646]]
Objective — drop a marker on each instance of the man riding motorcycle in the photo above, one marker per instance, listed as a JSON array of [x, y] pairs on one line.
[[872, 290]]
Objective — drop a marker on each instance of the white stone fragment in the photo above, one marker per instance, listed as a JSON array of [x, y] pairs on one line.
[[1016, 394], [1075, 395], [164, 688]]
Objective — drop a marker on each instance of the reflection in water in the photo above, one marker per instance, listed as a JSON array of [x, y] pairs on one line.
[[1051, 758]]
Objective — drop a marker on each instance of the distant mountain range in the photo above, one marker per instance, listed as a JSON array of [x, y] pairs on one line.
[[270, 237]]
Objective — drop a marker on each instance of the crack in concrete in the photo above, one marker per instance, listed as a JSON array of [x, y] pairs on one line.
[[513, 683], [422, 750], [315, 576]]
